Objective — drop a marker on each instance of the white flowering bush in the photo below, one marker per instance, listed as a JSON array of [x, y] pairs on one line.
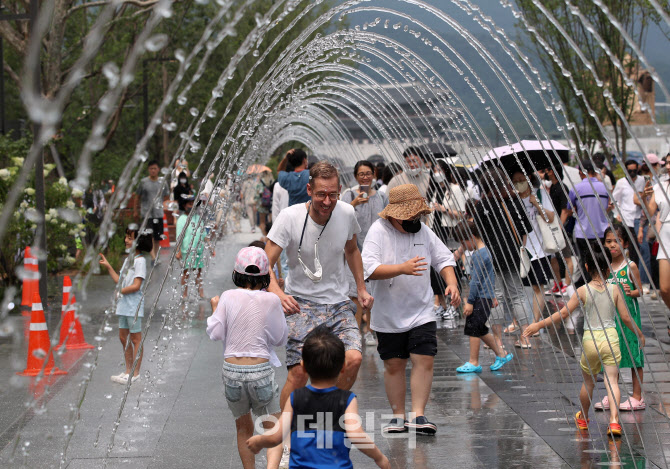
[[22, 228]]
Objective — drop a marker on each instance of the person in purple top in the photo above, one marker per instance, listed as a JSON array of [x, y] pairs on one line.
[[589, 201]]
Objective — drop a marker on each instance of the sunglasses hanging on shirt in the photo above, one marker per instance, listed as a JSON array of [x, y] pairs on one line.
[[318, 274]]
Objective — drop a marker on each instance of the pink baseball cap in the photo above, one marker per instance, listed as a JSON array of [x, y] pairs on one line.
[[654, 159], [252, 256]]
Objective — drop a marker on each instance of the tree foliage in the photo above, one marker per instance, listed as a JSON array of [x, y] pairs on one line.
[[589, 94], [64, 43]]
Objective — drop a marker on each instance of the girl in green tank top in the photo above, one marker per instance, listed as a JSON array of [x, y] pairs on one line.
[[626, 274]]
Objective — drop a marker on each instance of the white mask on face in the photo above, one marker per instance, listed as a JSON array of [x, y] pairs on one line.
[[439, 177], [413, 171], [521, 186], [182, 181], [547, 184]]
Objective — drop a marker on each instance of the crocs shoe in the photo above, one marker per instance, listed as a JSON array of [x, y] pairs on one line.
[[396, 425], [614, 429], [422, 425], [500, 361], [469, 368], [602, 405], [582, 424], [633, 404]]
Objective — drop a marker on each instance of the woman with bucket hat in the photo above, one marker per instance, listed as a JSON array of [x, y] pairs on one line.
[[397, 254]]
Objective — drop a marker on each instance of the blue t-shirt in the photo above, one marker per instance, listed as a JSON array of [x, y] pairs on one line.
[[296, 186], [482, 276], [318, 439]]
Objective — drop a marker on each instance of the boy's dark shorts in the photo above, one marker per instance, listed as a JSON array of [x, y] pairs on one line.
[[421, 340], [156, 225], [476, 323]]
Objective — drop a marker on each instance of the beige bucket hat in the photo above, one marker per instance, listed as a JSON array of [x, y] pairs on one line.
[[405, 203]]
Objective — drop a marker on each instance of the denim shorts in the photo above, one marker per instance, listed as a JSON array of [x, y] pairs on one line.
[[129, 322], [340, 318], [250, 388]]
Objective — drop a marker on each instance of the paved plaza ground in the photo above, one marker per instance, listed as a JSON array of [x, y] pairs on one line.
[[176, 415]]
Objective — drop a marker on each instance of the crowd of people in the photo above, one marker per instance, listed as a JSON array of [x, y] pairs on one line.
[[380, 263]]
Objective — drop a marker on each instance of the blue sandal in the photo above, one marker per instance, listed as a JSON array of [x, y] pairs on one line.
[[469, 368]]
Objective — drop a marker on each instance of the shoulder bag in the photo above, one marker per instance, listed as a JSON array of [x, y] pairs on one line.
[[553, 240]]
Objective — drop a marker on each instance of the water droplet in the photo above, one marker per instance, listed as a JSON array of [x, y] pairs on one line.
[[39, 353], [70, 215], [170, 127], [193, 111], [111, 71], [181, 99]]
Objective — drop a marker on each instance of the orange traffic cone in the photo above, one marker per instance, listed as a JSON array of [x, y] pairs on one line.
[[165, 241], [65, 320], [39, 345], [31, 284], [73, 333]]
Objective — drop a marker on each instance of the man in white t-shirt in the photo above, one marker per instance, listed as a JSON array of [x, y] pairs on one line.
[[318, 237], [627, 212], [397, 252]]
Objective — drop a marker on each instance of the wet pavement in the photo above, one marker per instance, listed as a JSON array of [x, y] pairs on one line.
[[176, 415]]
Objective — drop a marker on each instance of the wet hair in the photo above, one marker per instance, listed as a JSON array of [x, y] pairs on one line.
[[620, 232], [324, 170], [257, 244], [322, 354], [296, 156], [251, 281], [465, 231], [409, 151], [599, 261], [360, 163], [143, 242], [153, 163], [391, 170]]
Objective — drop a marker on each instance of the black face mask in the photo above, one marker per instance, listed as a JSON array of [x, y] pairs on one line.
[[411, 226]]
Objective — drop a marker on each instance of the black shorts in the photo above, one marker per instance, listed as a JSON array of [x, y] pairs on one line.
[[156, 224], [540, 272], [421, 340], [475, 324]]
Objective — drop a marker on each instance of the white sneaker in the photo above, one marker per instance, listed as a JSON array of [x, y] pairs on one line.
[[121, 378], [370, 339], [134, 379], [285, 457]]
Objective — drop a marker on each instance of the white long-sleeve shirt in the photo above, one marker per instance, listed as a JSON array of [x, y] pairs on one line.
[[249, 323]]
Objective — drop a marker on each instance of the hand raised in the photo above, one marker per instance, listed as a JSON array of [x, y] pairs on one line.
[[414, 266]]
